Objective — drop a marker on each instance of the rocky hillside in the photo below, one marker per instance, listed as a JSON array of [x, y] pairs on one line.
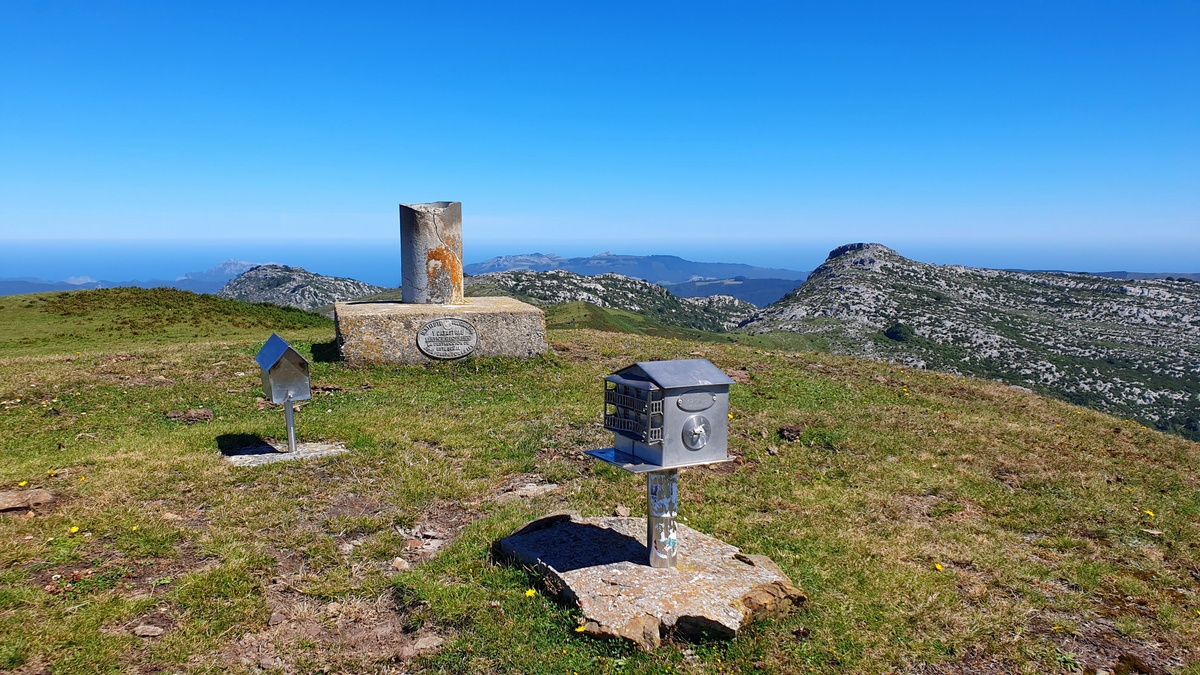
[[758, 292], [615, 291], [294, 287], [1130, 347], [658, 269]]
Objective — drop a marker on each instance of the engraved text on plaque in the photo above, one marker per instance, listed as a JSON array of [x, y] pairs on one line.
[[447, 338]]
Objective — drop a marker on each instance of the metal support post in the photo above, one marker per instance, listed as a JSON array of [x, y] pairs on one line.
[[289, 415], [662, 536]]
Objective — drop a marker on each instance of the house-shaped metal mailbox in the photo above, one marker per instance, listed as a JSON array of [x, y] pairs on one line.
[[668, 414], [284, 372]]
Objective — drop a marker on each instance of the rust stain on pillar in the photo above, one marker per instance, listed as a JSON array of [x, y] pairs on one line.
[[431, 253]]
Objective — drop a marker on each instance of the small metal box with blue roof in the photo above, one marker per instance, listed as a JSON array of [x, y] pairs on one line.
[[284, 379]]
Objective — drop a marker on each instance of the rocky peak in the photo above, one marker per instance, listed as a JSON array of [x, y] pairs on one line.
[[1125, 347], [863, 256], [294, 287]]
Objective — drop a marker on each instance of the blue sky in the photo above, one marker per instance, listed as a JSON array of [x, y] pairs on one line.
[[1004, 134]]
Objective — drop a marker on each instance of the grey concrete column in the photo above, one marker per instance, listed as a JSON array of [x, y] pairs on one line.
[[662, 535], [431, 253]]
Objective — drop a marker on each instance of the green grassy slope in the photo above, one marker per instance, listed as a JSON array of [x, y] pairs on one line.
[[938, 524], [48, 323]]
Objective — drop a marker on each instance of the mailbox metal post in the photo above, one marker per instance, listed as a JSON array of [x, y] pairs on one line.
[[284, 380], [289, 416], [665, 415], [662, 508]]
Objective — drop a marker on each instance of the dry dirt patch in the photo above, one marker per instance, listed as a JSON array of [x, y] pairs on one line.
[[346, 634]]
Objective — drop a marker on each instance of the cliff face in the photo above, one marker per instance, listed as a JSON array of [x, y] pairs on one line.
[[1127, 347], [294, 287]]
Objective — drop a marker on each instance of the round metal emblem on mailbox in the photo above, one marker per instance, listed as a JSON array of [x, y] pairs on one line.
[[447, 338], [696, 431]]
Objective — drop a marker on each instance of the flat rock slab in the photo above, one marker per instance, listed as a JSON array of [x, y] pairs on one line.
[[258, 455], [376, 333], [11, 500], [602, 566]]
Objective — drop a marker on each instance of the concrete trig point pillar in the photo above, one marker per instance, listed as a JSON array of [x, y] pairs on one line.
[[434, 321], [431, 253]]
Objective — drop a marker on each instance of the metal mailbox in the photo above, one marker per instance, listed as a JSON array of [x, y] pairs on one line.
[[665, 415], [284, 372], [669, 413], [284, 379]]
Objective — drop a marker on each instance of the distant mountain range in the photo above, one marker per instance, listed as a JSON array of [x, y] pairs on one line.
[[758, 292], [1122, 345], [207, 281], [685, 278], [615, 291], [1169, 276], [657, 269]]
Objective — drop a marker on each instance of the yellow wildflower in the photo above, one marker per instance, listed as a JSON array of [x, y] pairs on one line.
[[1149, 513], [937, 566], [133, 529], [51, 473], [580, 629], [74, 529], [530, 593], [23, 483]]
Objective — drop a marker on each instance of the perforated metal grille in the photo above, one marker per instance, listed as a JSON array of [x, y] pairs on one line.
[[634, 412], [635, 403]]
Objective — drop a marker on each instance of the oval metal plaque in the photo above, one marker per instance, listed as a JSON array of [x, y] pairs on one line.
[[695, 401], [447, 339]]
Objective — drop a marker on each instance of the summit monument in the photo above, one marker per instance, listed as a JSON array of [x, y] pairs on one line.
[[434, 321]]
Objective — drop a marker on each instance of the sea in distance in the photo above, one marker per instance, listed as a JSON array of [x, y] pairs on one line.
[[377, 260], [370, 260]]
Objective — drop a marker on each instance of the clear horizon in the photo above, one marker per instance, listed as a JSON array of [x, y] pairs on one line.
[[1055, 135]]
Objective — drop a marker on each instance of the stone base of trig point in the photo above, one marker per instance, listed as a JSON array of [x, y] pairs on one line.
[[602, 566], [373, 333]]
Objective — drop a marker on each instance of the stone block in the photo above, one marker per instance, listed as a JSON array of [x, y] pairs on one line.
[[376, 333], [600, 565]]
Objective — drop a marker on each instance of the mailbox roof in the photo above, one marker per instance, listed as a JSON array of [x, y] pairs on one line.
[[274, 350], [673, 374]]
